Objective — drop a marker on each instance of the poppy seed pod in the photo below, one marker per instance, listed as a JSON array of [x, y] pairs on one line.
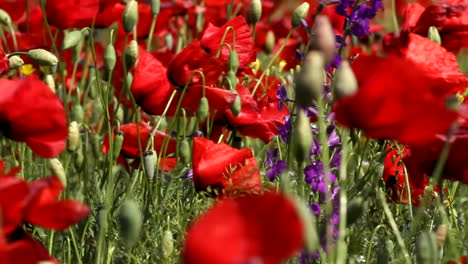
[[300, 13], [426, 248], [203, 109], [301, 137], [345, 81], [57, 170], [71, 39], [42, 57], [131, 54], [73, 136], [130, 16], [255, 11], [433, 34], [49, 80], [131, 220], [118, 142], [155, 7], [324, 38], [15, 62], [110, 58], [150, 162], [5, 18], [310, 80], [167, 243]]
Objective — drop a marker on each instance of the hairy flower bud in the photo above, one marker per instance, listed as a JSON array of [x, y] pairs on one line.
[[15, 62], [150, 157], [5, 18], [300, 13], [71, 39], [324, 38], [301, 137], [345, 82], [236, 106], [185, 151], [57, 170], [155, 7], [433, 34], [118, 141], [43, 57], [110, 58], [270, 41], [73, 136], [203, 109], [131, 220], [49, 80], [310, 80], [78, 113], [131, 54], [255, 11], [233, 61], [130, 16], [167, 243]]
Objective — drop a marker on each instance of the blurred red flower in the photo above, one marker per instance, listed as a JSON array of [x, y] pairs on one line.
[[224, 168], [71, 13], [264, 229], [30, 112]]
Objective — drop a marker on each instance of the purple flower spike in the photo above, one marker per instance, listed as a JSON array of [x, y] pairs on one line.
[[275, 166]]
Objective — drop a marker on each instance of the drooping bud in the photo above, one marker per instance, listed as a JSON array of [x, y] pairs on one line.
[[300, 13], [5, 18], [345, 82], [441, 234], [231, 76], [43, 57], [310, 80], [233, 61], [131, 54], [49, 80], [324, 38], [236, 107], [150, 162], [354, 210], [109, 58], [270, 41], [71, 39], [131, 220], [203, 109], [118, 141], [57, 170], [301, 136], [130, 16], [15, 62], [185, 151], [255, 11], [426, 248], [73, 136], [311, 239], [155, 7], [433, 34], [167, 243]]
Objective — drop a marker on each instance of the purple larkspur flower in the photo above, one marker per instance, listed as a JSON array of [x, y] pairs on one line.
[[315, 176], [315, 207], [282, 95], [336, 160], [275, 166], [285, 130], [334, 140], [336, 62], [188, 175], [342, 7]]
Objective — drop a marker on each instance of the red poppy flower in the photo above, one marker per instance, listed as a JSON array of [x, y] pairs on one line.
[[259, 118], [30, 112], [72, 13], [264, 229], [223, 167], [407, 108], [4, 63], [463, 260], [244, 44], [394, 177]]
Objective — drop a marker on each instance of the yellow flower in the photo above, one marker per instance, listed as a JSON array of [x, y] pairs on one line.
[[27, 69]]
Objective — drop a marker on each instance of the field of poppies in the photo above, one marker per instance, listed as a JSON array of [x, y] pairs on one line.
[[233, 131]]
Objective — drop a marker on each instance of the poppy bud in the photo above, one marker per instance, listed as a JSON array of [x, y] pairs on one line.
[[300, 13], [155, 7], [354, 210], [96, 144], [203, 109], [109, 58], [49, 80], [131, 220], [426, 248], [270, 41], [231, 76], [42, 57], [236, 107], [169, 41], [15, 62], [131, 54], [311, 239], [255, 11], [119, 114], [118, 141], [73, 136], [78, 113], [433, 34], [57, 170], [441, 234], [150, 162], [130, 16], [79, 158], [233, 61], [310, 80], [167, 243], [345, 81], [71, 39], [5, 18], [128, 81], [301, 137], [185, 151], [324, 38]]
